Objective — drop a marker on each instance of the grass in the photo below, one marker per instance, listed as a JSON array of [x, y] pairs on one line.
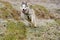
[[58, 21], [40, 8], [40, 11], [6, 4], [4, 10], [15, 31], [8, 11]]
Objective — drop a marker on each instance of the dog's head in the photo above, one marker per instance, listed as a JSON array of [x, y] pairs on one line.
[[24, 6]]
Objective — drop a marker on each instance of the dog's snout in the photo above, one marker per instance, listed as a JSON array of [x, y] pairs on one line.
[[23, 9]]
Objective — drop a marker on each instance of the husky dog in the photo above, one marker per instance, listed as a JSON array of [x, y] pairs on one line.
[[27, 14], [25, 11]]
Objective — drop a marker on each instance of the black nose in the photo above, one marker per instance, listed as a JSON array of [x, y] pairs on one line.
[[23, 9]]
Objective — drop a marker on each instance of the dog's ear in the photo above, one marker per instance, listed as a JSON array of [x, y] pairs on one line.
[[27, 4]]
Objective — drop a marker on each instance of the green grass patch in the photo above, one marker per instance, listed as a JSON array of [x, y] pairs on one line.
[[58, 21], [15, 31]]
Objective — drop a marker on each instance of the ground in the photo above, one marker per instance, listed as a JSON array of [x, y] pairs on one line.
[[11, 28]]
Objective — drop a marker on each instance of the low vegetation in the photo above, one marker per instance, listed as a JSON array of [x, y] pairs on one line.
[[58, 21], [15, 31], [40, 11], [8, 11], [39, 7]]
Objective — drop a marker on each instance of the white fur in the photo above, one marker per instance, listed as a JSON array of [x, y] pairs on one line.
[[32, 16]]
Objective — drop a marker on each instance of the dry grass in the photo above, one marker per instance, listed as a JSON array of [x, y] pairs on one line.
[[17, 31], [40, 11], [8, 11]]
